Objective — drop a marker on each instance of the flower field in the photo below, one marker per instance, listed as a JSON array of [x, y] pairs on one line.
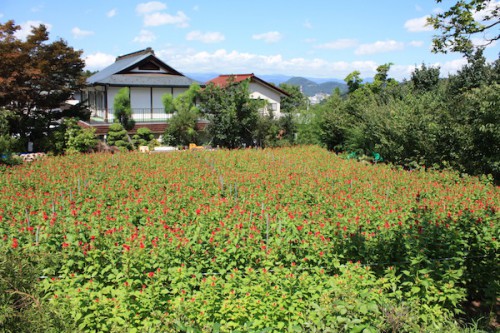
[[292, 239]]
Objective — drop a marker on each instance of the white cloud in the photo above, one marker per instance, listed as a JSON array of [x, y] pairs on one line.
[[379, 47], [268, 37], [145, 36], [148, 7], [418, 24], [207, 37], [490, 8], [27, 26], [452, 67], [111, 13], [79, 33], [157, 19], [98, 61], [223, 61], [338, 44], [416, 43]]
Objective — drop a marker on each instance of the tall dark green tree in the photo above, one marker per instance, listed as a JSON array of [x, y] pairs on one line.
[[36, 78], [425, 78]]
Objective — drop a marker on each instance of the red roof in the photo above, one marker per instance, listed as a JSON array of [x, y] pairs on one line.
[[223, 80]]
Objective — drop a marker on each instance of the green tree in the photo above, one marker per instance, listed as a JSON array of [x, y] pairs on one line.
[[117, 136], [36, 78], [291, 105], [122, 109], [181, 128], [481, 152], [425, 78], [232, 114], [78, 140], [143, 137], [334, 122], [463, 21], [353, 81], [267, 131], [7, 142], [308, 123]]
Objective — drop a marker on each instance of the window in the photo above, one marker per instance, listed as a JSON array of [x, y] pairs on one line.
[[149, 66]]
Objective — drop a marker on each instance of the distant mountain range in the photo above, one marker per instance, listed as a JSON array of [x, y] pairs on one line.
[[310, 86]]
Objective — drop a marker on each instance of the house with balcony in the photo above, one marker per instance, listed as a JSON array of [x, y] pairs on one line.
[[148, 79], [259, 89]]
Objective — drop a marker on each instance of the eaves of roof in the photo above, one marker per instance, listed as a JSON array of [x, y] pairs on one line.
[[146, 80]]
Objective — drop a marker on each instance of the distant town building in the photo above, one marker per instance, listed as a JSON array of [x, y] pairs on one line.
[[318, 98]]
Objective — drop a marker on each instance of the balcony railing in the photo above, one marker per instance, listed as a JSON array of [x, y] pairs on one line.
[[138, 114]]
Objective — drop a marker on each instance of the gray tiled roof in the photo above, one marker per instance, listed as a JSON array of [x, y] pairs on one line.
[[147, 80], [108, 75]]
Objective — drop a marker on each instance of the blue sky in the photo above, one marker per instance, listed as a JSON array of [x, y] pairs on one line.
[[324, 39]]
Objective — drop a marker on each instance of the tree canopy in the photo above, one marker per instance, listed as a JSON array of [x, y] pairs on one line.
[[181, 128], [464, 21], [233, 115], [36, 77]]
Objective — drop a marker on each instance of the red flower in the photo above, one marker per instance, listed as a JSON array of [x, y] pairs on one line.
[[15, 244], [151, 274], [198, 211], [65, 244]]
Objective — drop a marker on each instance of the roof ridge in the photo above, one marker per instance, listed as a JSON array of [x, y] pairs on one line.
[[136, 53]]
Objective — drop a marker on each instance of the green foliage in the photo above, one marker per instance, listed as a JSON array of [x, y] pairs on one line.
[[425, 122], [353, 81], [233, 115], [7, 142], [482, 152], [168, 103], [117, 136], [38, 66], [22, 307], [181, 128], [79, 140], [308, 124], [291, 107], [334, 123], [122, 109], [289, 239], [425, 78], [458, 25], [266, 132], [143, 137]]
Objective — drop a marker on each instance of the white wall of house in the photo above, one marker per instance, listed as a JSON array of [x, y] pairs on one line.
[[258, 91], [140, 98], [144, 101], [157, 95]]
